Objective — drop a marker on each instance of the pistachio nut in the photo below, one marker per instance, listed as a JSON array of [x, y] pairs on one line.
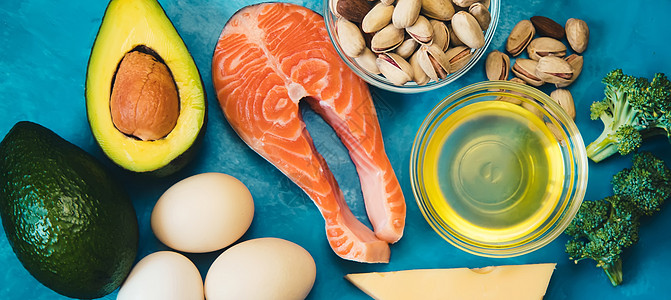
[[454, 39], [377, 18], [575, 61], [406, 48], [353, 10], [525, 69], [577, 34], [458, 57], [497, 65], [545, 46], [513, 100], [555, 131], [481, 14], [565, 100], [421, 31], [433, 61], [406, 13], [528, 105], [438, 9], [387, 2], [387, 39], [394, 68], [367, 61], [520, 37], [464, 3], [350, 37], [418, 75], [333, 5], [547, 27], [441, 35], [552, 69], [467, 28]]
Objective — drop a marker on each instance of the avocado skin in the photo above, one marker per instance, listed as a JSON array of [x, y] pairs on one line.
[[69, 222]]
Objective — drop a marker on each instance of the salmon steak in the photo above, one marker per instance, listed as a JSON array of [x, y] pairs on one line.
[[268, 58]]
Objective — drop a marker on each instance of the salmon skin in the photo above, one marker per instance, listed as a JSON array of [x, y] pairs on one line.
[[269, 57]]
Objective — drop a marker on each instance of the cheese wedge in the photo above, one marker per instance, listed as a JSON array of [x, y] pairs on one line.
[[517, 282]]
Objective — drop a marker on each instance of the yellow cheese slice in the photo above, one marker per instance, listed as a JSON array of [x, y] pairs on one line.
[[517, 282]]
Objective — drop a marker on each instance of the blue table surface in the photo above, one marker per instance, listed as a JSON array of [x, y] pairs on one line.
[[44, 49]]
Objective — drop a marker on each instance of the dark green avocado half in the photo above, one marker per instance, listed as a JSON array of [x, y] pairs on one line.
[[142, 25]]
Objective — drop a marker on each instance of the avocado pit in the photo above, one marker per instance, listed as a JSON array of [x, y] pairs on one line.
[[144, 103]]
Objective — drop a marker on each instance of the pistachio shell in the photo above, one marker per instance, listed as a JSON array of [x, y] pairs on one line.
[[353, 10], [406, 13], [513, 100], [421, 31], [520, 37], [555, 131], [458, 57], [553, 69], [486, 3], [441, 35], [576, 62], [533, 109], [333, 5], [394, 68], [464, 3], [387, 39], [406, 48], [438, 9], [377, 18], [565, 100], [545, 46], [367, 61], [497, 65], [418, 75], [525, 69], [433, 61], [481, 14], [387, 2], [454, 39], [468, 30], [350, 37], [577, 34]]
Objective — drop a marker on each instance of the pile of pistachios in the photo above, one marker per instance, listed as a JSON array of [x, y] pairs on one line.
[[411, 40], [547, 61]]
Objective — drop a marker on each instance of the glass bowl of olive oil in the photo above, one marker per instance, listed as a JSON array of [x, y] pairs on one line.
[[498, 169]]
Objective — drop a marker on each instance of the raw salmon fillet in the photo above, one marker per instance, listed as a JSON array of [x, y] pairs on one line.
[[269, 57]]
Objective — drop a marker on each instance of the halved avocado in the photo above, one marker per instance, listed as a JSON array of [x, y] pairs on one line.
[[142, 25]]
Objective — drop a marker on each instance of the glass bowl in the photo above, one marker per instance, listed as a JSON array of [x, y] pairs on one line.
[[410, 87], [498, 169]]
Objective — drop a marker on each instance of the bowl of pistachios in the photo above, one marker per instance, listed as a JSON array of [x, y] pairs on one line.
[[411, 46]]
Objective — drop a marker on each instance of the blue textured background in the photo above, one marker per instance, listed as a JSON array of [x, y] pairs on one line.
[[44, 49]]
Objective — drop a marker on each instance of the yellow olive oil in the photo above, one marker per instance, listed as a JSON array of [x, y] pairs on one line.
[[493, 172]]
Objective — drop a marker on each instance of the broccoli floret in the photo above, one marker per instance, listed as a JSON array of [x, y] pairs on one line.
[[602, 229], [633, 109], [647, 183]]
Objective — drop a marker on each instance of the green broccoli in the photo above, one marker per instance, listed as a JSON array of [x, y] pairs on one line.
[[633, 109], [602, 229]]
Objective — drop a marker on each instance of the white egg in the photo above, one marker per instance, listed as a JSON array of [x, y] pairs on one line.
[[203, 213], [163, 275], [265, 268]]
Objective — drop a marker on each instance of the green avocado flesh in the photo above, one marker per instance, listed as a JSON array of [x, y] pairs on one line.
[[69, 222], [142, 25]]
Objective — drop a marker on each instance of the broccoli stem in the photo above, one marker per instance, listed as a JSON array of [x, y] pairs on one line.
[[602, 147], [614, 272]]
